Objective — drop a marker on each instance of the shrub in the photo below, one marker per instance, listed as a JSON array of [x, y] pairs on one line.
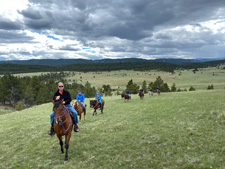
[[173, 87], [19, 106], [191, 88], [210, 87], [179, 90]]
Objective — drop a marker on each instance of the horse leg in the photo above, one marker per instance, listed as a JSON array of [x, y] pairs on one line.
[[61, 143], [67, 140], [80, 118]]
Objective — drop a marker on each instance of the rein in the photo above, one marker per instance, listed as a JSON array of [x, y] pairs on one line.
[[64, 108], [96, 106]]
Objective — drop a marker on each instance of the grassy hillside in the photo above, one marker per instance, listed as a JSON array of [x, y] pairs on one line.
[[182, 78], [174, 130]]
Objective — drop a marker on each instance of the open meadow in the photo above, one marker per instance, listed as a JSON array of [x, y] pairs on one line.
[[119, 79], [173, 130]]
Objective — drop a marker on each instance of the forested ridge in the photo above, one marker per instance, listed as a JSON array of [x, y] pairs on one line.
[[87, 67]]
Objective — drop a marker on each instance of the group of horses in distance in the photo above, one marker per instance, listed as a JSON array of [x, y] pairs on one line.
[[140, 94], [63, 121]]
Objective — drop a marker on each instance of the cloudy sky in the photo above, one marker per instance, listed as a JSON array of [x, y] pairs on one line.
[[98, 29]]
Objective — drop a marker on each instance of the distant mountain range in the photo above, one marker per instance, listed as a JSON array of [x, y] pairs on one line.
[[62, 62], [56, 65]]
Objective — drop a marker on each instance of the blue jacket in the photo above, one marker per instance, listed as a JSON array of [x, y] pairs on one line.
[[128, 92], [99, 97], [80, 98]]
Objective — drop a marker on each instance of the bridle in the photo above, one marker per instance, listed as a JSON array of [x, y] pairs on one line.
[[61, 124]]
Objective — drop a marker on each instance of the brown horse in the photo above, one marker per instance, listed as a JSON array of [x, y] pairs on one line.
[[126, 97], [79, 108], [158, 92], [122, 95], [62, 125], [141, 94], [96, 104]]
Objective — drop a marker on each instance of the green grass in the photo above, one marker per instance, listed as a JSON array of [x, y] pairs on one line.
[[200, 80], [174, 130], [6, 109]]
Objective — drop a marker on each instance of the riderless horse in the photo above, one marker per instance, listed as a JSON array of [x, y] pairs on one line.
[[62, 124]]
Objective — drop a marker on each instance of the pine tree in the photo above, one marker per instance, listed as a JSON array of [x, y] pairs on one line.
[[144, 86], [173, 87], [191, 88]]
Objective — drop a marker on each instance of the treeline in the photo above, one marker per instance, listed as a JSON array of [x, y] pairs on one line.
[[37, 90], [158, 83], [87, 67]]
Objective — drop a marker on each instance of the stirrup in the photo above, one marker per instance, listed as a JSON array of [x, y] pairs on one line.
[[51, 132], [76, 128]]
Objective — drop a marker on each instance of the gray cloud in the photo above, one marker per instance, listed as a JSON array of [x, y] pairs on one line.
[[124, 27], [31, 14], [14, 37], [7, 24]]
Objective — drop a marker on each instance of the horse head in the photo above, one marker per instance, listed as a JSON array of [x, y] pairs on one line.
[[75, 104], [58, 109], [93, 103]]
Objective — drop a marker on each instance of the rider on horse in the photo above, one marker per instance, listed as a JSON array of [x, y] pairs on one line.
[[142, 90], [128, 93], [59, 95], [80, 98], [158, 89], [98, 97]]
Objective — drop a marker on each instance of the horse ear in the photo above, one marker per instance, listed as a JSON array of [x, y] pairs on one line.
[[53, 101]]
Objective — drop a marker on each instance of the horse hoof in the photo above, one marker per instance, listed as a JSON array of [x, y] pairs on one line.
[[66, 159], [62, 152]]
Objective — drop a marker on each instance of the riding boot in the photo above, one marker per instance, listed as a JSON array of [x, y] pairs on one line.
[[51, 131], [76, 128]]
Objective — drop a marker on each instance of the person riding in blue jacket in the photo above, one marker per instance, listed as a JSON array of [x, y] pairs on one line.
[[80, 98], [128, 93], [98, 97]]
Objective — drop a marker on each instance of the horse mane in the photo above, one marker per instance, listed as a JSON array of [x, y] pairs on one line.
[[57, 103]]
